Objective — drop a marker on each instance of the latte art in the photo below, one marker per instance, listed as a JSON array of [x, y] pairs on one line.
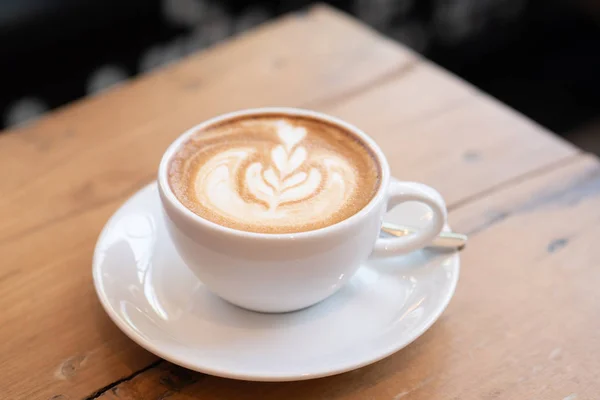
[[274, 175], [283, 181]]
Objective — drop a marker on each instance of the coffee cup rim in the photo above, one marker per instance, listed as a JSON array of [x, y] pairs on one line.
[[167, 192]]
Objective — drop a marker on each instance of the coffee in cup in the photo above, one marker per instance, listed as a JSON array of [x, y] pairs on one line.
[[274, 173]]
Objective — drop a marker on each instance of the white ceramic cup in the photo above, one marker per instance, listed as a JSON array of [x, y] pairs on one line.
[[285, 272]]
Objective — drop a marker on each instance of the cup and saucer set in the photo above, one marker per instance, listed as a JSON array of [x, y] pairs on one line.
[[276, 306]]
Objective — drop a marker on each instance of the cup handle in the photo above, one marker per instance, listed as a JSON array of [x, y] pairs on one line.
[[400, 192]]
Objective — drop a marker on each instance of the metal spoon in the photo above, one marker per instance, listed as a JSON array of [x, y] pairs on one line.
[[446, 240]]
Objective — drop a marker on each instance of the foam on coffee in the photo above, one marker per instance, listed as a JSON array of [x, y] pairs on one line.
[[274, 174]]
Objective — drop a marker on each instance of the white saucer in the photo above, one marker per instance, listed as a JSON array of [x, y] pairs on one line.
[[152, 296]]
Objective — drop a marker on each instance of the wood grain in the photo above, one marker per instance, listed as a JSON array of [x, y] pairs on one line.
[[523, 324], [439, 130], [65, 175]]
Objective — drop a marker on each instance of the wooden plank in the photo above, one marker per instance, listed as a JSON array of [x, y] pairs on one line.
[[63, 176], [437, 129], [524, 322]]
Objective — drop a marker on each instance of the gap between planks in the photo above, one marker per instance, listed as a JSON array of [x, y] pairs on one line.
[[127, 378], [378, 81], [529, 175]]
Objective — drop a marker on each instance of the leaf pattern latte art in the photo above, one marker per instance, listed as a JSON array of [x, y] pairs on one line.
[[283, 182]]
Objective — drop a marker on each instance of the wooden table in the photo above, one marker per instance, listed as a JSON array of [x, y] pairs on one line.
[[525, 321]]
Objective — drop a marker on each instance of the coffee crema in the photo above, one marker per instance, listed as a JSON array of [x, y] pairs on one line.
[[274, 173]]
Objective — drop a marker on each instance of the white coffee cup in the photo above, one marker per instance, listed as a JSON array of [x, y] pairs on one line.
[[286, 272]]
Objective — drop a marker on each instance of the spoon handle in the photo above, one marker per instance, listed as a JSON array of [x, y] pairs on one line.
[[447, 240]]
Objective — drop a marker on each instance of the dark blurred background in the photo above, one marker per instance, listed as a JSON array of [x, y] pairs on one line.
[[541, 57]]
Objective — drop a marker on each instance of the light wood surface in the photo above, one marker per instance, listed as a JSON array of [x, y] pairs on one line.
[[524, 322]]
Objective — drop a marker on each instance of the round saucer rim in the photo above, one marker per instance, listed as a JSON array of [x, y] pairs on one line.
[[260, 377]]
